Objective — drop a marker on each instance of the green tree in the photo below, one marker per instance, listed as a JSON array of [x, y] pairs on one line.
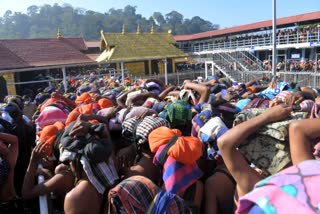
[[43, 22]]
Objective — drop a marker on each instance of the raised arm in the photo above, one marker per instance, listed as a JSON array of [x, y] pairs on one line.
[[245, 176], [202, 90], [300, 135], [62, 180], [166, 91]]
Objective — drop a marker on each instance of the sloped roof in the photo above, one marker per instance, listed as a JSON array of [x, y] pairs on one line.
[[134, 47], [9, 60], [253, 26], [77, 43], [44, 52]]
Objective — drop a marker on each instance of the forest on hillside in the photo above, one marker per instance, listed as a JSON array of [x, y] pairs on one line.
[[44, 21]]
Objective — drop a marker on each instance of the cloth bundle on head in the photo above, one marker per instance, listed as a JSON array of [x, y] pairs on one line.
[[177, 156], [91, 108], [84, 88], [204, 115], [270, 92], [133, 94], [105, 103], [136, 130], [241, 104], [110, 94], [95, 149], [51, 114], [212, 131], [268, 148], [178, 113], [84, 98], [134, 111], [177, 176], [102, 175], [153, 87], [113, 124], [159, 107], [94, 154], [257, 102], [138, 194], [297, 186], [47, 102], [49, 133]]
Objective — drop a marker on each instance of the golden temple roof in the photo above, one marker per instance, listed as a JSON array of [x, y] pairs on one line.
[[137, 46]]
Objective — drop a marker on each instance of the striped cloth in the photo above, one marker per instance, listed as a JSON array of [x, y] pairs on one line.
[[199, 120], [137, 194], [101, 175], [137, 130], [148, 124], [177, 176]]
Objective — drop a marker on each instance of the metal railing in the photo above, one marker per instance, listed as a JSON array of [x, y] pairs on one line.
[[255, 41]]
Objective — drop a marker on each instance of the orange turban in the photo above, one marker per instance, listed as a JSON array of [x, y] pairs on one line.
[[84, 98], [105, 103], [186, 150], [84, 109], [48, 134]]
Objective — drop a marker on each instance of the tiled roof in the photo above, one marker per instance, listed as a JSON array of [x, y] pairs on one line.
[[9, 60], [93, 56], [77, 43], [252, 26], [133, 46], [44, 52]]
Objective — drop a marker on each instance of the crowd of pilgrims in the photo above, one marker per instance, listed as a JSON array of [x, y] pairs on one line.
[[140, 146]]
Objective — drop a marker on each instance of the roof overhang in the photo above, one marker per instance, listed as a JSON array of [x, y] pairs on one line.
[[143, 59], [37, 68]]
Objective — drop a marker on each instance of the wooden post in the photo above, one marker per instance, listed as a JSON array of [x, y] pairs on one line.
[[150, 67], [173, 65]]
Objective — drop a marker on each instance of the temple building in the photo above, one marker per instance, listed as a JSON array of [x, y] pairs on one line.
[[33, 63], [140, 53]]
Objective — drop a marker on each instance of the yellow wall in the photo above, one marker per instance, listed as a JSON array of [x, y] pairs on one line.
[[9, 77], [135, 68], [161, 67]]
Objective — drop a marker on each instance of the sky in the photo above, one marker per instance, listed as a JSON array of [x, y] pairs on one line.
[[226, 13]]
